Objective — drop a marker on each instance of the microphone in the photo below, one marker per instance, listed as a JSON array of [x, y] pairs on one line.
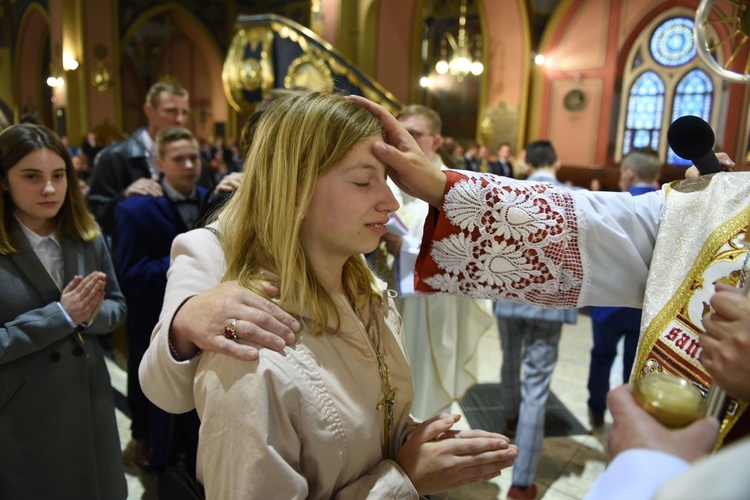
[[692, 138]]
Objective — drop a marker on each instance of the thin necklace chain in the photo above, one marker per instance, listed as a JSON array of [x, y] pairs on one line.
[[388, 402]]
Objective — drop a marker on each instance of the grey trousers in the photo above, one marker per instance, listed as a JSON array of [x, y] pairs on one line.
[[531, 344]]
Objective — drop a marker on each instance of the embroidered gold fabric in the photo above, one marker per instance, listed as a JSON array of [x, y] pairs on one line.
[[699, 243]]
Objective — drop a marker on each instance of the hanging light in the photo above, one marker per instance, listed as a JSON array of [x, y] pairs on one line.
[[461, 62]]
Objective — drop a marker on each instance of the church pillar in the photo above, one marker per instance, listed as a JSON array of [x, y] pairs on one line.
[[102, 57]]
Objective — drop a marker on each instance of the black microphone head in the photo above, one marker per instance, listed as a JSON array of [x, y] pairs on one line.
[[690, 137]]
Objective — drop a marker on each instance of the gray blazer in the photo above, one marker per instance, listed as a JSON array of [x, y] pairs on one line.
[[58, 435]]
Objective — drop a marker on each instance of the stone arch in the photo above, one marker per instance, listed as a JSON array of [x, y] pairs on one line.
[[31, 66], [190, 55]]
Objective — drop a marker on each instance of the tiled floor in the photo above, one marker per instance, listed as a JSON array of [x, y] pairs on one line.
[[569, 465]]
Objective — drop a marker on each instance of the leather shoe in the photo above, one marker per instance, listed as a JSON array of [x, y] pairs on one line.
[[510, 428], [522, 492], [142, 453], [596, 420]]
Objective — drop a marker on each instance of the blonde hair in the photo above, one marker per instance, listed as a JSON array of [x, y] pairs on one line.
[[433, 118], [153, 97], [297, 139], [73, 221]]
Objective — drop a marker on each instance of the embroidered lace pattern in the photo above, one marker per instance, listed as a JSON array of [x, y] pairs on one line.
[[513, 241]]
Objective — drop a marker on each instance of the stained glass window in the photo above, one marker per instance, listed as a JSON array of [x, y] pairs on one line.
[[645, 112], [664, 80], [693, 96], [672, 42]]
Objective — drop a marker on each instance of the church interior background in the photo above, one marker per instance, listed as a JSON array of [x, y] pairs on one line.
[[596, 77], [614, 73]]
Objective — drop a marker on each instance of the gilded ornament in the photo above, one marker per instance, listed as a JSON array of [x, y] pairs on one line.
[[486, 131], [250, 77], [310, 72], [247, 74]]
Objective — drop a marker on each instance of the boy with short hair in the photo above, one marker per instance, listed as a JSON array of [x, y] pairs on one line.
[[144, 229]]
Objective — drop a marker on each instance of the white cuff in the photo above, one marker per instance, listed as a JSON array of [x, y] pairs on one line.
[[636, 474]]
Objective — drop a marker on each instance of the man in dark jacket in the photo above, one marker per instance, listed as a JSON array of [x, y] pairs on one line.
[[129, 167]]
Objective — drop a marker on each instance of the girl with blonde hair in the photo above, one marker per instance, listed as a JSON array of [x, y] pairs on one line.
[[328, 416]]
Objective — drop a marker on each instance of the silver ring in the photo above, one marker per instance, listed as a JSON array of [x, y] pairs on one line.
[[230, 329]]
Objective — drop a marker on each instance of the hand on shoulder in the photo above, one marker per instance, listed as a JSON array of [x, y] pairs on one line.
[[201, 320]]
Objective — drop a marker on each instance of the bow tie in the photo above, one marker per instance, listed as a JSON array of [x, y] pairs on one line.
[[184, 201]]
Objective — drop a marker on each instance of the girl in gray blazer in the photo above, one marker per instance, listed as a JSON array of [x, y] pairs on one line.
[[58, 435]]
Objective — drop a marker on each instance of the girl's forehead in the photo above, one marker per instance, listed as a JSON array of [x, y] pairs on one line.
[[40, 160]]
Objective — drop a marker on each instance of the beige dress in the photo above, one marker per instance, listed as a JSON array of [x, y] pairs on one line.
[[340, 428], [303, 423]]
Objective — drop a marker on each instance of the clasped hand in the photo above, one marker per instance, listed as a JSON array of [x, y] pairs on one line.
[[726, 341], [437, 458], [82, 297]]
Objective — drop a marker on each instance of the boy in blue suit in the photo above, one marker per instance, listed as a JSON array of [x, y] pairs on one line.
[[639, 174], [144, 229]]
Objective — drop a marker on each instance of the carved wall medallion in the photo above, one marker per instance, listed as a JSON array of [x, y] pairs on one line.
[[574, 100]]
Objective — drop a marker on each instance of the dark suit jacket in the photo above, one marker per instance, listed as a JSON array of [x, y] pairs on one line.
[[501, 168], [493, 167], [118, 167], [58, 435], [144, 229]]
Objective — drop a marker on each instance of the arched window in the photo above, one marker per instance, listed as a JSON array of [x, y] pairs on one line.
[[693, 96], [645, 111], [664, 80]]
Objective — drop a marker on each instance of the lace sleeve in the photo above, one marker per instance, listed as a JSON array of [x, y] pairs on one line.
[[503, 239]]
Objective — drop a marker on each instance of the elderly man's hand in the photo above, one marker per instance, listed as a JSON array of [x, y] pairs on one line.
[[635, 428], [727, 165], [407, 165], [725, 344]]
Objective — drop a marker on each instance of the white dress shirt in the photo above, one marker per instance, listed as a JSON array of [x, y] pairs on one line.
[[152, 153], [49, 252]]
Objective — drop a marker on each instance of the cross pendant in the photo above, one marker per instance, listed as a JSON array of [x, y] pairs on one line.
[[389, 401]]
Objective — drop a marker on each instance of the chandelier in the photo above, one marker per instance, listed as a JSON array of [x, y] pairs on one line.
[[461, 62]]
